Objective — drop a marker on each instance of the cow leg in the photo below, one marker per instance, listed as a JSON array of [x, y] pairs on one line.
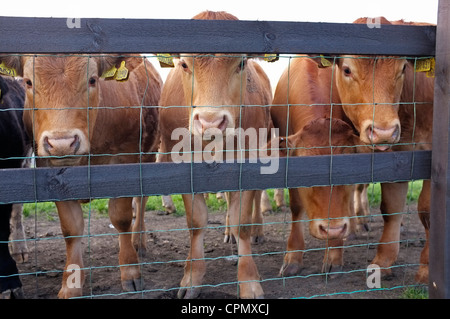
[[257, 236], [393, 202], [168, 204], [195, 266], [362, 209], [121, 215], [72, 227], [139, 237], [266, 206], [333, 261], [240, 210], [293, 260], [10, 285], [228, 236], [279, 198], [423, 207], [19, 245]]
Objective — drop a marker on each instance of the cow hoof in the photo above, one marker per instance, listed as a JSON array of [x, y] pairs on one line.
[[188, 293], [16, 293], [259, 239], [251, 290], [66, 292], [333, 271], [288, 270], [20, 256], [133, 285], [229, 239]]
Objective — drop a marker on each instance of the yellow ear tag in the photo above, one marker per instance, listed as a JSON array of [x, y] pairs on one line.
[[109, 74], [271, 57], [324, 63], [122, 72], [423, 65], [430, 73], [6, 70], [165, 60], [426, 65]]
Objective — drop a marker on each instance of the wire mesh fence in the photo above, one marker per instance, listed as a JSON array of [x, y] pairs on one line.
[[167, 243], [340, 240]]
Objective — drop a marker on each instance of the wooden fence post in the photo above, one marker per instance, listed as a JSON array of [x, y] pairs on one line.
[[439, 275]]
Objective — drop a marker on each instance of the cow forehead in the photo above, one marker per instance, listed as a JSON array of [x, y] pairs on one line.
[[48, 67], [368, 64], [212, 60]]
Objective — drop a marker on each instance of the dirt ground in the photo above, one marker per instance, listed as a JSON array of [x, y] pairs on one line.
[[162, 266]]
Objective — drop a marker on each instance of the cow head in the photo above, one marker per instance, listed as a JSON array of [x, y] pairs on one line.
[[370, 88], [62, 96], [215, 85], [328, 207]]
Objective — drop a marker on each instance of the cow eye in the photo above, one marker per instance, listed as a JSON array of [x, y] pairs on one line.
[[29, 83], [184, 65], [92, 81], [347, 71], [242, 65]]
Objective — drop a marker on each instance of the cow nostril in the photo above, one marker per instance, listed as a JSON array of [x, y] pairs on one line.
[[396, 133], [223, 125], [47, 144], [371, 134], [76, 143]]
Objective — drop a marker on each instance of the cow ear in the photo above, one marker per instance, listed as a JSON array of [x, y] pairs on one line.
[[11, 65], [118, 67], [324, 61]]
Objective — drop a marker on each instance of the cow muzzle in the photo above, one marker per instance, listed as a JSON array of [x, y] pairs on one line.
[[62, 146], [208, 124], [330, 229], [374, 134]]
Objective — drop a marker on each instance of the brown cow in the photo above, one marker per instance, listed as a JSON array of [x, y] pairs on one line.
[[386, 102], [66, 132], [329, 208], [214, 87]]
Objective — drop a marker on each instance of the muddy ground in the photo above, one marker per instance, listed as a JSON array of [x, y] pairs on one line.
[[162, 266]]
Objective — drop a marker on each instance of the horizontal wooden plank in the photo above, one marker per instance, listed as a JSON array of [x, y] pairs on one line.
[[49, 184], [59, 35]]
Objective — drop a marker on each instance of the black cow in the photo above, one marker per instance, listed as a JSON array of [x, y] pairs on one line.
[[14, 145]]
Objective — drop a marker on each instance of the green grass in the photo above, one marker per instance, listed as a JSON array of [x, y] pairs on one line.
[[415, 293], [374, 193], [47, 210]]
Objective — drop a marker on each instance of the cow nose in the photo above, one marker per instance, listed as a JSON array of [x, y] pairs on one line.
[[335, 230], [203, 122], [378, 135], [61, 145]]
